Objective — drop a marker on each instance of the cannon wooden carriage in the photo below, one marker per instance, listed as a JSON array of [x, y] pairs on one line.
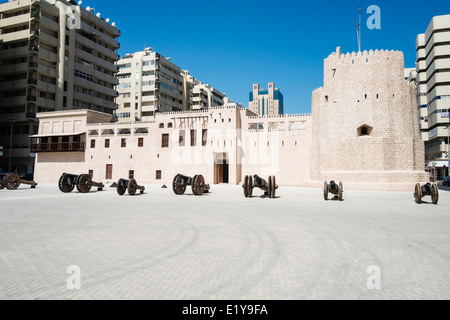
[[269, 187], [131, 185], [426, 190], [83, 182], [333, 188], [12, 181], [199, 187]]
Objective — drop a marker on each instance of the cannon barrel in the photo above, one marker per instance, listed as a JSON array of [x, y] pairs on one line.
[[197, 183], [83, 182], [12, 181], [130, 185]]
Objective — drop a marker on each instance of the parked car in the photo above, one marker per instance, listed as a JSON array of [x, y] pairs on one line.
[[446, 182]]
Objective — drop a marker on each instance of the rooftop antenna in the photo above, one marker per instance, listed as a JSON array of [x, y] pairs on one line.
[[358, 29]]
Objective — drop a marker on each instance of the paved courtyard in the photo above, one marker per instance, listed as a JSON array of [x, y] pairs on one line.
[[222, 245]]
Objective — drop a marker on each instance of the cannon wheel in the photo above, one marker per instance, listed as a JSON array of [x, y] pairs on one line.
[[434, 194], [132, 187], [65, 185], [269, 187], [12, 181], [325, 191], [177, 186], [250, 186], [121, 188], [84, 183], [198, 185], [340, 191], [418, 193], [245, 186], [274, 186]]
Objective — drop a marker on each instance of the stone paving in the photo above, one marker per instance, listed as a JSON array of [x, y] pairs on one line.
[[222, 245]]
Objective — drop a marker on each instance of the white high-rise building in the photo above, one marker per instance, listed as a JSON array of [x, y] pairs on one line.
[[150, 83], [51, 60], [433, 90]]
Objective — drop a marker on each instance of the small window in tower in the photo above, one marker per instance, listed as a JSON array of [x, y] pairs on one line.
[[364, 130]]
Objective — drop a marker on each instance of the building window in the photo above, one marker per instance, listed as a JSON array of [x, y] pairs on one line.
[[140, 142], [181, 138], [161, 125], [204, 137], [193, 136], [158, 174], [91, 174], [123, 143], [131, 174], [165, 141], [109, 168], [93, 144], [364, 130], [170, 125], [106, 143]]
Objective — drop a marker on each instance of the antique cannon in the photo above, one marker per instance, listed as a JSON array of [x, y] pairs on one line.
[[258, 182], [180, 182], [130, 185], [12, 181], [83, 182], [333, 188], [426, 190]]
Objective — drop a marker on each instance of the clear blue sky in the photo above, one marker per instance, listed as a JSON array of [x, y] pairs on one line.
[[233, 44]]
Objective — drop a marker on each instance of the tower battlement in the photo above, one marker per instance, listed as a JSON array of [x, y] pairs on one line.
[[349, 56], [370, 68]]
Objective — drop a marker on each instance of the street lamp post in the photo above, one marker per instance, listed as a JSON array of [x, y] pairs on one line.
[[448, 150], [12, 119]]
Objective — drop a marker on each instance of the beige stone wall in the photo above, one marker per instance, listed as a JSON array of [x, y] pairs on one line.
[[281, 148], [366, 89]]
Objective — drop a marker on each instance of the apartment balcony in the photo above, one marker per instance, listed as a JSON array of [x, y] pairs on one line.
[[14, 36], [48, 55], [148, 98], [13, 84], [32, 81], [31, 115], [35, 15], [15, 52], [13, 68], [148, 108], [48, 39], [112, 42], [34, 65], [441, 148], [52, 25], [31, 98], [34, 48], [13, 101], [14, 21], [58, 147]]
